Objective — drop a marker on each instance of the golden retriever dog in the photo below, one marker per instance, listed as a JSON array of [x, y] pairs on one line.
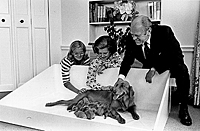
[[112, 101]]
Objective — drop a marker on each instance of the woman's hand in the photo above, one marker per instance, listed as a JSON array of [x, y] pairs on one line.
[[82, 90], [100, 70], [107, 87]]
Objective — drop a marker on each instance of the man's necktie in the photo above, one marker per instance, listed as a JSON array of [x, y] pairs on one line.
[[146, 50]]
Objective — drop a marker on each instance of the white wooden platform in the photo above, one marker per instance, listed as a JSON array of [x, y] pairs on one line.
[[26, 105]]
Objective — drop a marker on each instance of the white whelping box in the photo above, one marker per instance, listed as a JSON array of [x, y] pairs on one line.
[[25, 106]]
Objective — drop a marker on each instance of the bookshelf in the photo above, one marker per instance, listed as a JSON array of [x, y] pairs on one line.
[[99, 10]]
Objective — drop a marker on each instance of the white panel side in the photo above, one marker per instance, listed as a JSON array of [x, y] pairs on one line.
[[163, 111]]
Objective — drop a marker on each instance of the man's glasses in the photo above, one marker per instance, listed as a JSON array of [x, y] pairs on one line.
[[136, 36]]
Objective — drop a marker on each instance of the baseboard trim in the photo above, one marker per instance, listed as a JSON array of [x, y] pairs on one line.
[[67, 47], [188, 48], [3, 94]]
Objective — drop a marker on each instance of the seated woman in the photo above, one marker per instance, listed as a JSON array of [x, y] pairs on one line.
[[76, 56], [107, 57]]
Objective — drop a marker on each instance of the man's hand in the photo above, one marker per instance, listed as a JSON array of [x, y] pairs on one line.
[[118, 83], [150, 75], [121, 87]]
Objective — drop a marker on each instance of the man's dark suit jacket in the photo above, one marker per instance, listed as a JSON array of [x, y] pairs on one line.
[[165, 51]]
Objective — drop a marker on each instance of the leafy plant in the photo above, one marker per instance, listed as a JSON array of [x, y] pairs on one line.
[[122, 7], [118, 35]]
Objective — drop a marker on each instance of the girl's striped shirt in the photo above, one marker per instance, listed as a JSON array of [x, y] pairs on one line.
[[66, 64]]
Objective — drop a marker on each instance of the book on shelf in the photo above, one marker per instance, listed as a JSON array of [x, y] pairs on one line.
[[158, 10], [154, 10], [91, 18], [98, 13]]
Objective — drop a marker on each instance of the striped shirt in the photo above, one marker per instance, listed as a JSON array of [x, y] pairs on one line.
[[66, 64]]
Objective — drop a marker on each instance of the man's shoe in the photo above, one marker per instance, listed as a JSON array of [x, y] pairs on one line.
[[184, 116]]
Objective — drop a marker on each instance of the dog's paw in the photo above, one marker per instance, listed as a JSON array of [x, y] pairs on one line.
[[49, 104], [72, 107], [122, 121], [135, 116]]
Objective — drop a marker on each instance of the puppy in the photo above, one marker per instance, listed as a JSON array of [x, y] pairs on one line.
[[112, 102]]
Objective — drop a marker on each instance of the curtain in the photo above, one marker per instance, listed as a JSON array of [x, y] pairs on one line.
[[195, 70]]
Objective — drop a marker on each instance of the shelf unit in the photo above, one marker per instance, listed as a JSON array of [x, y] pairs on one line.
[[107, 23], [96, 29]]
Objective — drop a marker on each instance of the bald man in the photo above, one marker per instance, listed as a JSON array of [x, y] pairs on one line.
[[157, 48]]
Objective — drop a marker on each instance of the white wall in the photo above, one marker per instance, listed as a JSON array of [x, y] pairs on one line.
[[182, 16], [68, 22], [74, 21], [55, 30]]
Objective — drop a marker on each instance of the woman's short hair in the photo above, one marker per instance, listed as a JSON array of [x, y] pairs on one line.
[[74, 45], [105, 41]]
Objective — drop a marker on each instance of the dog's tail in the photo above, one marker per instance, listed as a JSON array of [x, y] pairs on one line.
[[60, 102], [67, 102]]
